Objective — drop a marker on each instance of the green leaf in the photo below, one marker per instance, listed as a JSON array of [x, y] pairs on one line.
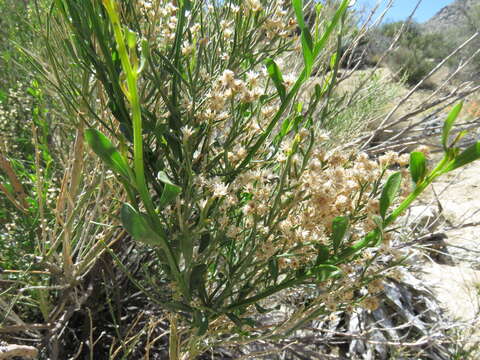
[[170, 190], [448, 124], [200, 321], [418, 167], [307, 49], [305, 37], [186, 245], [106, 151], [288, 125], [276, 76], [240, 322], [374, 237], [263, 310], [3, 96], [322, 255], [339, 229], [324, 272], [197, 280], [378, 221], [298, 7], [131, 38], [138, 226], [470, 154], [273, 268], [459, 137], [319, 45], [390, 191], [186, 3], [204, 242], [333, 61], [318, 91], [235, 319]]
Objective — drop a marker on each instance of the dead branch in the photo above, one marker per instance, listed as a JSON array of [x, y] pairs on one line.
[[10, 351]]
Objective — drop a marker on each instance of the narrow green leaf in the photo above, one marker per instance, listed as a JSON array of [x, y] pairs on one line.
[[418, 167], [324, 272], [200, 321], [307, 49], [298, 7], [263, 310], [339, 229], [459, 137], [322, 255], [273, 268], [131, 38], [197, 281], [235, 319], [378, 221], [204, 242], [106, 151], [390, 191], [318, 91], [170, 190], [470, 154], [287, 126], [276, 76], [373, 238], [186, 3], [448, 124], [186, 246], [138, 226], [3, 96], [333, 61], [320, 44]]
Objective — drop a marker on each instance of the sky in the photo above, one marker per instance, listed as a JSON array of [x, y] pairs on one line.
[[402, 8]]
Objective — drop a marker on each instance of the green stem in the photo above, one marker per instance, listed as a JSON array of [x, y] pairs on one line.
[[416, 192], [366, 241], [132, 75], [269, 291]]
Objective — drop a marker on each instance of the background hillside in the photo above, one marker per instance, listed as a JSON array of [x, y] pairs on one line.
[[451, 16]]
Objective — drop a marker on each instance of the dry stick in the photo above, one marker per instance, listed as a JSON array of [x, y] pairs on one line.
[[395, 41], [71, 195], [24, 327], [362, 32], [62, 322], [16, 184], [417, 139], [12, 199], [459, 68], [411, 92], [11, 351], [450, 98], [266, 352]]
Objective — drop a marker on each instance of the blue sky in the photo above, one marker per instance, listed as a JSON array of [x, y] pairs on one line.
[[402, 8]]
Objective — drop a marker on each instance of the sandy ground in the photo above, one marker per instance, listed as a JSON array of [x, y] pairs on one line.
[[456, 281]]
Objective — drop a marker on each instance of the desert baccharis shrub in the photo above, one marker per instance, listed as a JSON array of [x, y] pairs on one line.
[[248, 204], [229, 176]]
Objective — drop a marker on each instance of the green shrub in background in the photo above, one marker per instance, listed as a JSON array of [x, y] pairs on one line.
[[417, 52], [219, 144], [23, 106]]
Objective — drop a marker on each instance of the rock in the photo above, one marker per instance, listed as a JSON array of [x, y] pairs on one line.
[[422, 218], [456, 287]]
